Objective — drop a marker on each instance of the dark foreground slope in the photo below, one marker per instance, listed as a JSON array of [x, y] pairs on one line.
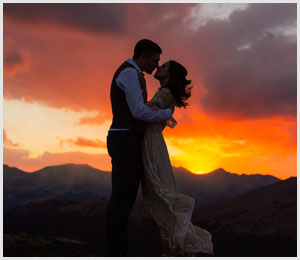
[[261, 222]]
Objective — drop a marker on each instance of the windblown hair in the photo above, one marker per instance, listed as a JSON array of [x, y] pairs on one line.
[[146, 47], [178, 84]]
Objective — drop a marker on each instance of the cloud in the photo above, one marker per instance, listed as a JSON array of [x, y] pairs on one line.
[[65, 72], [94, 18], [257, 85], [276, 134], [84, 142], [248, 70], [242, 66], [15, 62], [7, 141], [205, 12], [97, 120]]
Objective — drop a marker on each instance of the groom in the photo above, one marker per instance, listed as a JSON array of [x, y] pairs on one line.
[[128, 96]]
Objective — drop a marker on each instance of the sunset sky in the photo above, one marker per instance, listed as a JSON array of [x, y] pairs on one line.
[[59, 60]]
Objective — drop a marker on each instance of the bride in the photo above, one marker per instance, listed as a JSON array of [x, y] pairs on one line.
[[170, 209]]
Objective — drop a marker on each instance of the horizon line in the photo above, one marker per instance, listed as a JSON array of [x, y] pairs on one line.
[[204, 173]]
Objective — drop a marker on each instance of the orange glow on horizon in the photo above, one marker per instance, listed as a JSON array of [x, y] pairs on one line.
[[265, 147]]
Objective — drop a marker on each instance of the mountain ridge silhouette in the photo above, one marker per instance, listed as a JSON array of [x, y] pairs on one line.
[[81, 182]]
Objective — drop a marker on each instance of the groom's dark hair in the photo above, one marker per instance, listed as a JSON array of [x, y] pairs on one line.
[[146, 47]]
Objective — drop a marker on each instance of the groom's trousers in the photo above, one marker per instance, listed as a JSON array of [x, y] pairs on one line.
[[125, 150]]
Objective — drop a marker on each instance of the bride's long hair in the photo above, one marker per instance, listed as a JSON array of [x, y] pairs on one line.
[[178, 84]]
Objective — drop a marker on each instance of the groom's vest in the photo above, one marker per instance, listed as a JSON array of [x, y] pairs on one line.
[[122, 117]]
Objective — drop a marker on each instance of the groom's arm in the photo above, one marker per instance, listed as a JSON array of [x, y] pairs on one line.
[[129, 83]]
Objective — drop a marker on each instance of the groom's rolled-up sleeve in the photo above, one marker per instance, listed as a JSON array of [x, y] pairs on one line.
[[129, 83]]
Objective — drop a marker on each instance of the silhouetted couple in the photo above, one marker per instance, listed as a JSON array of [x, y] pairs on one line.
[[139, 154]]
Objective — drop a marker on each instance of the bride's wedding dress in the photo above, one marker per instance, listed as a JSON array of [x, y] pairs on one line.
[[170, 209]]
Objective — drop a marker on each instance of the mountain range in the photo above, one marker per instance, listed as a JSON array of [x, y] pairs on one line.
[[82, 183]]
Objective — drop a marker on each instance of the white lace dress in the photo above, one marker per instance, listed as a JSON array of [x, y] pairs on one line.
[[170, 209]]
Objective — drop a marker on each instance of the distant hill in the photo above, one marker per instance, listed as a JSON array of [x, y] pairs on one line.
[[78, 183], [264, 211], [218, 184], [72, 182], [260, 222]]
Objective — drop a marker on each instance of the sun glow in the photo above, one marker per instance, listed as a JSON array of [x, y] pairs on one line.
[[199, 172]]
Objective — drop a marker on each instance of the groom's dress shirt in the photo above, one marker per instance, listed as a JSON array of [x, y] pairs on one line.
[[128, 82]]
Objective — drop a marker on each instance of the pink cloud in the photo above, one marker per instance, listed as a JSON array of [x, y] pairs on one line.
[[97, 120], [84, 142], [7, 141]]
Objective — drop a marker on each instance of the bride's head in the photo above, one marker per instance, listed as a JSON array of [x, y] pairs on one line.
[[172, 75]]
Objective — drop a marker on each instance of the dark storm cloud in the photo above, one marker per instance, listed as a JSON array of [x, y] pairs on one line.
[[248, 69], [90, 17], [259, 17], [13, 59]]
